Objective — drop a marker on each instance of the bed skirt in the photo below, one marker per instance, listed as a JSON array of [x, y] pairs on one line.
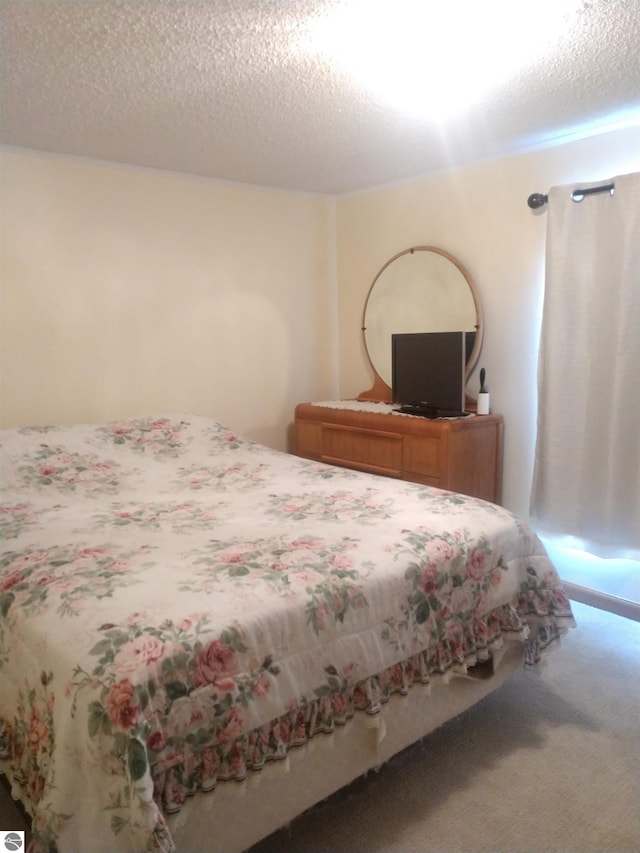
[[217, 822]]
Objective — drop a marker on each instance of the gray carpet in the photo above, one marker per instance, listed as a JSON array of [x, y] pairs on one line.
[[549, 762]]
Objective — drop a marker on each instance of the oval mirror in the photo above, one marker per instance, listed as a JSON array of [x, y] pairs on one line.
[[422, 289]]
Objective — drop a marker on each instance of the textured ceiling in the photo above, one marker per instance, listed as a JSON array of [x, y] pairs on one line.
[[230, 88]]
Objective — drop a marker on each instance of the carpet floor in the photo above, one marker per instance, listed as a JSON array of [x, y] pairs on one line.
[[548, 763]]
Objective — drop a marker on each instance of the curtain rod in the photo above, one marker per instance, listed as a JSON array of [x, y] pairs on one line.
[[537, 200]]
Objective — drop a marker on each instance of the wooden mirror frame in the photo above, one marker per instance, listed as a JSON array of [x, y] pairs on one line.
[[380, 390]]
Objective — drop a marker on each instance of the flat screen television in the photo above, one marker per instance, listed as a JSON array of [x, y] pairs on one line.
[[428, 372]]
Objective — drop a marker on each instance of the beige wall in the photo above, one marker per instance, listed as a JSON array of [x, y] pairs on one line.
[[127, 291], [480, 215]]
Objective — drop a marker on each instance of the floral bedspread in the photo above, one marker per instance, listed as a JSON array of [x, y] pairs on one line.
[[180, 605]]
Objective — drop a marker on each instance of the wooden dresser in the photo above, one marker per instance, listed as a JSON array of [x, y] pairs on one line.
[[459, 454]]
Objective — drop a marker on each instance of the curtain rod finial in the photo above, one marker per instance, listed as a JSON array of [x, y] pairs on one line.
[[537, 200]]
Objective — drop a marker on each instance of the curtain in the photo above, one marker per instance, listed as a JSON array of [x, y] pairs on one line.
[[586, 481]]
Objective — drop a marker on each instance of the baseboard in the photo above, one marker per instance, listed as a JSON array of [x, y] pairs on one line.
[[619, 606]]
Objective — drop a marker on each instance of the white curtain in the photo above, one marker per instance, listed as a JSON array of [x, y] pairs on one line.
[[586, 480]]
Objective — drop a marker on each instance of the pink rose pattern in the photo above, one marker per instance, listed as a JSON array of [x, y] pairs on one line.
[[28, 740], [162, 437], [15, 518], [367, 508], [236, 476], [181, 691], [321, 571], [176, 701], [180, 517], [69, 575], [53, 467]]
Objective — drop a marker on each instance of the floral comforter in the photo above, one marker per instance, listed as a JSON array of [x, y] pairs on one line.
[[180, 605]]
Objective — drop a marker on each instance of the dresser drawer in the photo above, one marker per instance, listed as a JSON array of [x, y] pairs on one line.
[[423, 456], [367, 449], [308, 438], [460, 454]]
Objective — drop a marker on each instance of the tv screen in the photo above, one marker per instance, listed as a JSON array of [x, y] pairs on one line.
[[428, 371]]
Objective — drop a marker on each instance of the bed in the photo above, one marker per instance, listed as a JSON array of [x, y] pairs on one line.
[[197, 628]]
